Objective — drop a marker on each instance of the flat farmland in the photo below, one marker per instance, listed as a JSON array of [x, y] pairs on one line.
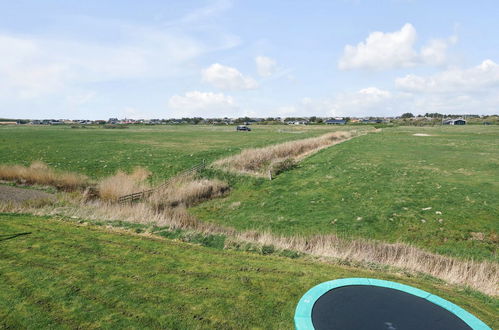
[[164, 150]]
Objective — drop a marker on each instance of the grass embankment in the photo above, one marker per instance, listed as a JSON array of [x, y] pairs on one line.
[[438, 192], [163, 150], [279, 157], [65, 275]]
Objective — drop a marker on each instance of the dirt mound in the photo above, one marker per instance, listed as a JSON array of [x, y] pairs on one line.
[[14, 194]]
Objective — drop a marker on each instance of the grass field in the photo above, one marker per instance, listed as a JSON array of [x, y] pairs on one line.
[[164, 150], [65, 275], [440, 192]]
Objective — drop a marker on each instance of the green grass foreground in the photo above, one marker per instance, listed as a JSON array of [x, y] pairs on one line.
[[65, 275], [164, 150], [440, 192]]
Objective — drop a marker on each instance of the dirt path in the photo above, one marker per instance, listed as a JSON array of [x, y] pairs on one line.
[[14, 194]]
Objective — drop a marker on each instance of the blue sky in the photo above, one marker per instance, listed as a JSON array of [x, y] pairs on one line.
[[164, 59]]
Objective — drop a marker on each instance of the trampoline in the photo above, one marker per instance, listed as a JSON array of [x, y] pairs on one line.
[[365, 304]]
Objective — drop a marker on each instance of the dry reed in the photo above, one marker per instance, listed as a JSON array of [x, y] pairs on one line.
[[482, 276], [40, 173], [112, 187], [259, 161], [187, 191]]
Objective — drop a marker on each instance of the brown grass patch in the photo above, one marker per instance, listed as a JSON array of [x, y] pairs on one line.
[[113, 187], [259, 161], [40, 173], [482, 276], [186, 192]]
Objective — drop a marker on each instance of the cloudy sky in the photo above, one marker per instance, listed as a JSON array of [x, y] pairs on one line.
[[162, 59]]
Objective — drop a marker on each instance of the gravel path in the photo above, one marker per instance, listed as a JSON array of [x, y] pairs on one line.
[[14, 194]]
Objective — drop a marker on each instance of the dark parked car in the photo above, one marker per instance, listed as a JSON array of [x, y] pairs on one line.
[[243, 128]]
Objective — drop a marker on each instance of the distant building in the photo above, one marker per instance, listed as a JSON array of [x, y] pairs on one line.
[[336, 122], [298, 122], [458, 121]]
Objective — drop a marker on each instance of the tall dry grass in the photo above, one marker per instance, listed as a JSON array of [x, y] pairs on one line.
[[122, 183], [40, 173], [259, 161], [186, 192], [482, 276]]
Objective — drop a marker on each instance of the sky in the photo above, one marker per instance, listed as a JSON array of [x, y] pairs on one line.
[[98, 59]]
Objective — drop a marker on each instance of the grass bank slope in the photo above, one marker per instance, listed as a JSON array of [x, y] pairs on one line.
[[439, 192], [62, 275]]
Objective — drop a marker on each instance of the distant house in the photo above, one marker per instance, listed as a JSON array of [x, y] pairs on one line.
[[458, 121], [336, 122]]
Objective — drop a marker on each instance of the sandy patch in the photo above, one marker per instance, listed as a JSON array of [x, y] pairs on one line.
[[421, 134]]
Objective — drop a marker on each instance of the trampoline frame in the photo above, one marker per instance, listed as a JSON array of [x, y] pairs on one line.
[[303, 312]]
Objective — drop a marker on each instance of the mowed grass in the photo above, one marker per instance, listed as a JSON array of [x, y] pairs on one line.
[[439, 192], [65, 275], [164, 150]]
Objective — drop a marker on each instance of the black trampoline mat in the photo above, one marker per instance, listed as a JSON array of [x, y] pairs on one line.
[[366, 307]]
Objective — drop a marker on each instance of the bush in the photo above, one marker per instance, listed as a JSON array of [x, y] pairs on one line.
[[283, 165], [267, 249]]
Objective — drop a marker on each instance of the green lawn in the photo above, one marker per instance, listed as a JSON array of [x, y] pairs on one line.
[[65, 275], [440, 192], [165, 150]]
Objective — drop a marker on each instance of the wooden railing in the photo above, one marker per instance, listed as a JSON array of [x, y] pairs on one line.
[[146, 193]]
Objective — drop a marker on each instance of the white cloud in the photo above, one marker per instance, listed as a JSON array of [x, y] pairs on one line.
[[33, 66], [396, 49], [212, 9], [370, 101], [474, 79], [204, 104], [23, 72], [265, 66], [435, 51], [226, 77]]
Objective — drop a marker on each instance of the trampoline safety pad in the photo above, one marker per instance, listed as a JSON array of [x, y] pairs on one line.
[[364, 304]]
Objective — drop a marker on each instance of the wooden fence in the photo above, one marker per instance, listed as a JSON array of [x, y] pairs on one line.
[[146, 193]]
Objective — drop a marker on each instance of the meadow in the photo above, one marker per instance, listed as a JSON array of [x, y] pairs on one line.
[[439, 192], [63, 273], [164, 150], [417, 199]]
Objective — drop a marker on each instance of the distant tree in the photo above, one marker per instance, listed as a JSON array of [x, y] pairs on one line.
[[243, 120], [407, 115]]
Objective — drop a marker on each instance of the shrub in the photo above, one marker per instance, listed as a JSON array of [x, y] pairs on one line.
[[267, 249], [282, 165]]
